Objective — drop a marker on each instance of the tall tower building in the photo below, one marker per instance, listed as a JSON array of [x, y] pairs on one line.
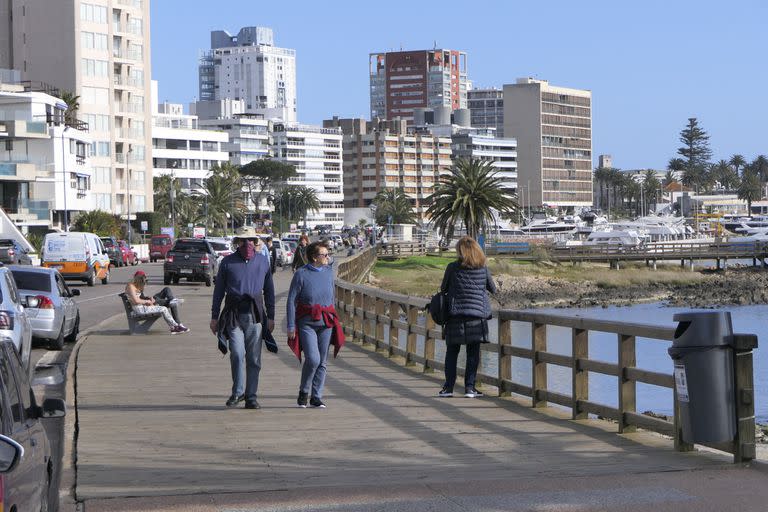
[[403, 81], [486, 108], [249, 67], [98, 50], [553, 128]]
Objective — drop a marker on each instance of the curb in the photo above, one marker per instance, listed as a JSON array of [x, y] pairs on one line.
[[68, 480]]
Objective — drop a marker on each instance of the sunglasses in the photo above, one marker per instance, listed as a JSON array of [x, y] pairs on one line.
[[323, 254]]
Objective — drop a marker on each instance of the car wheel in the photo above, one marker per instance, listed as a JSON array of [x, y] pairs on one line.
[[166, 279], [175, 279], [72, 337], [207, 280], [92, 279], [58, 343], [44, 499], [106, 278]]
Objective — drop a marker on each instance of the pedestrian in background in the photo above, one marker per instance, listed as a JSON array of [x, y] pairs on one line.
[[163, 302], [249, 309], [313, 324], [272, 247], [300, 256], [469, 307]]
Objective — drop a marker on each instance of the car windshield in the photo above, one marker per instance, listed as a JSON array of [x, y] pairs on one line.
[[160, 241], [220, 246], [107, 242], [6, 242], [37, 281]]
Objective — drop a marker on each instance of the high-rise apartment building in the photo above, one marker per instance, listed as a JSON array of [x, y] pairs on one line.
[[553, 128], [249, 67], [380, 155], [405, 80], [98, 50], [486, 107], [315, 152], [483, 144]]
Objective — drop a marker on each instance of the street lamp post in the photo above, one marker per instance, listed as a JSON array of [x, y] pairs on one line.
[[128, 189], [64, 178]]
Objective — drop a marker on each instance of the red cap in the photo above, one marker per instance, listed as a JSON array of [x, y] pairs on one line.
[[140, 273]]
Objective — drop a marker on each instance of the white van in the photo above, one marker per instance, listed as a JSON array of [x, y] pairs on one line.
[[77, 256]]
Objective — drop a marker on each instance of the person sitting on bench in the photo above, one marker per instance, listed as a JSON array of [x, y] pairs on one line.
[[163, 302]]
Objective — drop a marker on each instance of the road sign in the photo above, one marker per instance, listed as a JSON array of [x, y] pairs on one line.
[[144, 225], [168, 231], [198, 232]]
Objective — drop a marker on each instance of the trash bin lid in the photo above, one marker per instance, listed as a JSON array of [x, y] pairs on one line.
[[702, 328]]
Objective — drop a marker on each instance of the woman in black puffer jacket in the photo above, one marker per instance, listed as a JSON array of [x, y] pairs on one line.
[[466, 281]]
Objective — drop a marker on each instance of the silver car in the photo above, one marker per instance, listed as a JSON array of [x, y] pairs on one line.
[[14, 322], [53, 314]]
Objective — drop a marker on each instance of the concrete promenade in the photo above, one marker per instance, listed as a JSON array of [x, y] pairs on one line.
[[154, 434]]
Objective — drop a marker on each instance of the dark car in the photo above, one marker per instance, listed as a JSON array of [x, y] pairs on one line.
[[12, 253], [129, 255], [159, 245], [26, 465], [113, 250], [193, 259]]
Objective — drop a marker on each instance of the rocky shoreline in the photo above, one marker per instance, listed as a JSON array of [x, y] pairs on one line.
[[735, 286]]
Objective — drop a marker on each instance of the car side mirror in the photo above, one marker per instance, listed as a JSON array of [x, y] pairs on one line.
[[53, 408], [74, 292], [104, 252], [11, 453]]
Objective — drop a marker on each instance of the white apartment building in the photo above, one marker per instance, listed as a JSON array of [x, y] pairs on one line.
[[249, 67], [99, 50], [483, 144], [315, 152], [553, 128], [45, 172], [181, 148], [486, 107]]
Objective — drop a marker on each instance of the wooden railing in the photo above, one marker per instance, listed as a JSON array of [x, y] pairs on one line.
[[377, 317]]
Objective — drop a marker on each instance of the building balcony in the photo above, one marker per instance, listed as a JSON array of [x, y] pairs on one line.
[[138, 4], [20, 129], [122, 82], [17, 171]]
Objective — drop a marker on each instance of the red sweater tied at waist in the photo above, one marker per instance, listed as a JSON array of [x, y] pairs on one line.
[[330, 319]]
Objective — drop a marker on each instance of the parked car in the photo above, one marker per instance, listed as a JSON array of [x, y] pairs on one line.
[[159, 245], [291, 236], [113, 250], [14, 321], [26, 464], [323, 229], [338, 241], [77, 256], [12, 253], [53, 314], [221, 246], [129, 256], [191, 258]]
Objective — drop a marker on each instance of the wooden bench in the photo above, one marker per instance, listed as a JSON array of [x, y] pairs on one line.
[[138, 324]]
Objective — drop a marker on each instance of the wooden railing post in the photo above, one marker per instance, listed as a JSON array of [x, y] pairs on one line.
[[539, 368], [744, 449], [410, 347], [429, 345], [357, 321], [394, 314], [381, 310], [580, 380], [505, 360], [369, 325], [627, 387]]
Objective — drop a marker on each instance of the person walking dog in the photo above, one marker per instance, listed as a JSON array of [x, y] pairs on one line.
[[249, 313], [313, 324], [466, 281], [163, 302]]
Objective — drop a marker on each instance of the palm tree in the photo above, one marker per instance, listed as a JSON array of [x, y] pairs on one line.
[[469, 194], [651, 186], [73, 105], [724, 174], [737, 161], [750, 188], [760, 166], [601, 176], [222, 196], [182, 204], [393, 205], [306, 201]]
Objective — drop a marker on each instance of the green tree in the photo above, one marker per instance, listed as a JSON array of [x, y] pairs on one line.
[[259, 176], [306, 201], [394, 203], [723, 173], [73, 106], [750, 188], [98, 221], [738, 162], [651, 186], [695, 154], [469, 195], [183, 205], [760, 166], [222, 197]]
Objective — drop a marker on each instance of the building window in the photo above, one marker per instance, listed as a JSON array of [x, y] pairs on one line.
[[102, 202], [139, 204], [93, 13], [102, 175]]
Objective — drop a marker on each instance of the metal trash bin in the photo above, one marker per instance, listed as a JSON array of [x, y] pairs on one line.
[[704, 381]]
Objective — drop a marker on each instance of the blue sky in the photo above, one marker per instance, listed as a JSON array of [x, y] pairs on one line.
[[650, 65]]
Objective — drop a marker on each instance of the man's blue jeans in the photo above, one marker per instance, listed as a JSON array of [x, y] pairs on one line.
[[245, 346]]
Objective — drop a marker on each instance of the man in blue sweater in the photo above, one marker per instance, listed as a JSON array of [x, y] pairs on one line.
[[249, 308]]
